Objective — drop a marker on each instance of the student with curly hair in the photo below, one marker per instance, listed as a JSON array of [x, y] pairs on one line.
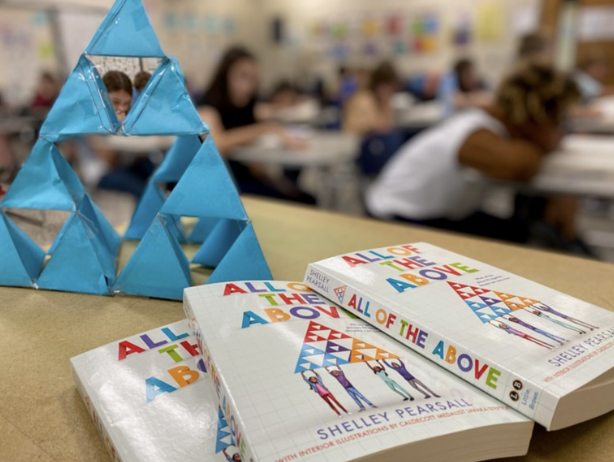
[[437, 178]]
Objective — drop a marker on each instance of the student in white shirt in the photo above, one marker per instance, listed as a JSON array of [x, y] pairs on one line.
[[435, 178]]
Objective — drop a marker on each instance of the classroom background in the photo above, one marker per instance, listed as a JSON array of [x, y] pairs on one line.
[[340, 96]]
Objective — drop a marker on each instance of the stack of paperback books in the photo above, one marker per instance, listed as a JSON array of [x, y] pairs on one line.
[[424, 355]]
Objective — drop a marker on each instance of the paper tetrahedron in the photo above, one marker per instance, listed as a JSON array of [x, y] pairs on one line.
[[212, 196], [80, 262], [82, 107], [46, 181], [126, 31], [158, 266], [21, 259]]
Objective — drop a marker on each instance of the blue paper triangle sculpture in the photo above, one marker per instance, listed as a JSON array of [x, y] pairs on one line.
[[83, 256]]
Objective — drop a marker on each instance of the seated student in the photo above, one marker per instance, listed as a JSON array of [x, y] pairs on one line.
[[117, 172], [370, 110], [462, 88], [140, 81], [429, 181], [591, 75], [286, 103], [535, 47], [47, 90], [228, 107]]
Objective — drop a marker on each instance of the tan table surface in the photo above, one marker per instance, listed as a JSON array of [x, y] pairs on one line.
[[42, 417]]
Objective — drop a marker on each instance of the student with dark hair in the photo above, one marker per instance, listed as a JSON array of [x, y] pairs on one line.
[[462, 88], [47, 90], [125, 173], [591, 74], [536, 47], [370, 110], [435, 178], [228, 107]]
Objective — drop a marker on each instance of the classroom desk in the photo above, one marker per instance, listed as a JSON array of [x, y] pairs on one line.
[[324, 152], [138, 144], [42, 417], [583, 166]]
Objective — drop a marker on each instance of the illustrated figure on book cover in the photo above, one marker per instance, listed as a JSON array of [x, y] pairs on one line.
[[382, 374], [315, 383], [351, 390]]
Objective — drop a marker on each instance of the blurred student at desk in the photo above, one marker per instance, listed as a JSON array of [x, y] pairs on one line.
[[591, 75], [371, 110], [435, 178], [462, 88], [229, 108]]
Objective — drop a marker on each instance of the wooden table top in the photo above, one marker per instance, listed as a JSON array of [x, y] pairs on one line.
[[42, 417]]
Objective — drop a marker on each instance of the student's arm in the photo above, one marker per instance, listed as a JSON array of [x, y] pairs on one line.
[[227, 140], [367, 363], [326, 367], [503, 159]]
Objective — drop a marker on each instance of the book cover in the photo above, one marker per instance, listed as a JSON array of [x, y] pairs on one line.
[[301, 379], [150, 399], [542, 352]]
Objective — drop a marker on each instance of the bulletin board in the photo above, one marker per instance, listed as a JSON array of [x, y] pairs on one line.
[[27, 49]]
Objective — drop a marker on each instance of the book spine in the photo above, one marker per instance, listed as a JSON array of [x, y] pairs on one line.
[[97, 418], [222, 391], [517, 392]]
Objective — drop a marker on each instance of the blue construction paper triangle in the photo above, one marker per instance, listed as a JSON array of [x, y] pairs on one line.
[[176, 228], [218, 242], [20, 258], [202, 229], [45, 181], [177, 159], [58, 238], [206, 189], [80, 262], [158, 266], [126, 31], [82, 107], [107, 235], [244, 261], [150, 204], [164, 107]]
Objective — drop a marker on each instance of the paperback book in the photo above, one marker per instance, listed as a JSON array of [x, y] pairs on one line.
[[299, 378], [542, 352], [151, 401]]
